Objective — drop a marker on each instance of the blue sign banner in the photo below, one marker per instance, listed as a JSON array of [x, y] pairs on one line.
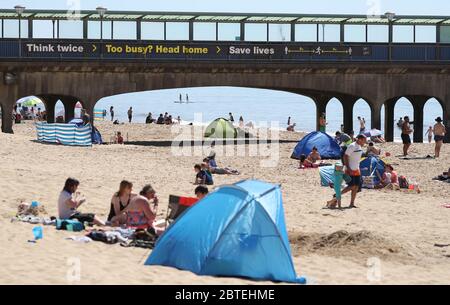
[[221, 51]]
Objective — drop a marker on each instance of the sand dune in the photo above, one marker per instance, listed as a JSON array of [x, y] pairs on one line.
[[395, 230]]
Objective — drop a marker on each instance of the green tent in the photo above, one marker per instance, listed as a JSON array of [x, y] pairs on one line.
[[221, 129]]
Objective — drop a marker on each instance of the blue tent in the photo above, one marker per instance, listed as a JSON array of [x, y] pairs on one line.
[[326, 145], [238, 230], [370, 165]]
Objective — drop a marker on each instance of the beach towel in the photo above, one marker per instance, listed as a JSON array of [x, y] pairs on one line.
[[34, 219]]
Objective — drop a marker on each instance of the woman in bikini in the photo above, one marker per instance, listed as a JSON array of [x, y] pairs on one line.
[[140, 213], [119, 202]]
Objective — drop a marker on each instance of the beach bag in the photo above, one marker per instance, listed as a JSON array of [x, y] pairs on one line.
[[69, 224], [403, 182], [368, 182]]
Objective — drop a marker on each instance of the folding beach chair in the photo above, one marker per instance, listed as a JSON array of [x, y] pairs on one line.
[[177, 205]]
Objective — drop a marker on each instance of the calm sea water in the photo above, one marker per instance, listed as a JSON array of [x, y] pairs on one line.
[[256, 105]]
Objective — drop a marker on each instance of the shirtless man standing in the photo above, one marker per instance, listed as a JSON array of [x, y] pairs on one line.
[[406, 139], [439, 135]]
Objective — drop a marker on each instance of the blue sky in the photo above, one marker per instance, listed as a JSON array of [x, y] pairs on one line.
[[430, 7]]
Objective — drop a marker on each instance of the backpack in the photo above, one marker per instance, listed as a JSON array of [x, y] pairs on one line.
[[403, 182], [76, 225]]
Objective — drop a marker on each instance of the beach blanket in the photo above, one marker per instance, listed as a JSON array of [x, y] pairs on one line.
[[108, 237], [34, 219]]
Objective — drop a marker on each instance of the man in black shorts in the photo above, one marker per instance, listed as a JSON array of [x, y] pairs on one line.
[[406, 131]]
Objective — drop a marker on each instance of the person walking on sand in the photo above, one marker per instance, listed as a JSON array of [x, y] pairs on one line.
[[241, 122], [111, 113], [430, 134], [439, 135], [322, 122], [289, 121], [406, 138], [130, 114], [231, 118], [352, 157], [362, 125]]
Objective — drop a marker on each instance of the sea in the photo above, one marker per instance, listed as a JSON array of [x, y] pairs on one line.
[[263, 107]]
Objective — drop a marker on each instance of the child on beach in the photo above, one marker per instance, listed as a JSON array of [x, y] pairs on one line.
[[119, 138], [201, 176], [338, 177]]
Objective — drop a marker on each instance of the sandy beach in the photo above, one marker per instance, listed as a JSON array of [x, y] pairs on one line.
[[395, 231]]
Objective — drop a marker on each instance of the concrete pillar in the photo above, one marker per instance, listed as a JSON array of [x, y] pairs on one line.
[[191, 31], [242, 30], [69, 107], [8, 98], [418, 103], [347, 105], [389, 119], [50, 103], [90, 110], [7, 122], [446, 120], [375, 116], [321, 106]]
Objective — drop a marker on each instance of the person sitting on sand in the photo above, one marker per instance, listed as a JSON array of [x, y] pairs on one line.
[[120, 201], [201, 191], [312, 160], [377, 139], [160, 120], [291, 127], [202, 177], [389, 179], [141, 212], [70, 200], [314, 156], [372, 151], [149, 119], [250, 125], [119, 138]]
